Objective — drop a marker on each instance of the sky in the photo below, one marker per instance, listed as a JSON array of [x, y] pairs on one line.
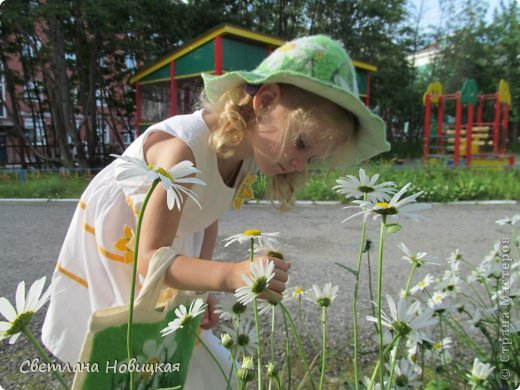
[[432, 13]]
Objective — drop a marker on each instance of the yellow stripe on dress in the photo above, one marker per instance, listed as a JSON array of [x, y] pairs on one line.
[[103, 251], [110, 255], [89, 229], [131, 205], [72, 276]]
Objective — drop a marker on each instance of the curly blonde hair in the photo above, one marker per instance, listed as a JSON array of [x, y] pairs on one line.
[[308, 114]]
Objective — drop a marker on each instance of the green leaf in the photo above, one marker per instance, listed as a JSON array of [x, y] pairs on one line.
[[348, 269], [393, 227]]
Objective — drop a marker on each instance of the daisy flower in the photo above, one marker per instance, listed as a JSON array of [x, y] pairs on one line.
[[184, 316], [262, 272], [508, 220], [171, 179], [455, 256], [427, 281], [353, 187], [297, 292], [246, 373], [451, 280], [273, 248], [263, 239], [418, 259], [404, 319], [244, 338], [366, 208], [18, 319], [439, 304], [440, 349], [230, 309], [406, 374], [322, 297], [480, 371], [398, 206], [226, 340]]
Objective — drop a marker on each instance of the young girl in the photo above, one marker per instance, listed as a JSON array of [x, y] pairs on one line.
[[300, 105]]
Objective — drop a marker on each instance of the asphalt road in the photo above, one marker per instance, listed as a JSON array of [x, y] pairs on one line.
[[31, 235]]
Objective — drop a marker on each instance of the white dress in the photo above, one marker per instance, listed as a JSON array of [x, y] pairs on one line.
[[95, 263]]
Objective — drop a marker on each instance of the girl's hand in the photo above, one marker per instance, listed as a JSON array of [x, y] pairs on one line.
[[210, 318], [277, 283]]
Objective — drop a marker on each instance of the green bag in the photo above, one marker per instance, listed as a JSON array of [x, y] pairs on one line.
[[159, 362]]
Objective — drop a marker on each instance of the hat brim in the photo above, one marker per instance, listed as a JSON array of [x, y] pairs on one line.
[[372, 134]]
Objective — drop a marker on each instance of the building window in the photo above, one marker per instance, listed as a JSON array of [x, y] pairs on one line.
[[35, 131], [103, 132]]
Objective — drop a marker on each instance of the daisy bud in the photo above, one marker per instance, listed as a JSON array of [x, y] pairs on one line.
[[227, 340]]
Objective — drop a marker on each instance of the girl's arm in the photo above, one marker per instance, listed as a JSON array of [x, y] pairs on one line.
[[159, 227], [208, 244]]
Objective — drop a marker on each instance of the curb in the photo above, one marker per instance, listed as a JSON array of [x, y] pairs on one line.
[[298, 202]]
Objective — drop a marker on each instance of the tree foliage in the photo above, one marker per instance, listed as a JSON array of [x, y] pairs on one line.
[[77, 56]]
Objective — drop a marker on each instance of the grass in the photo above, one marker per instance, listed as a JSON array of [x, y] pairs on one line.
[[43, 185], [440, 184]]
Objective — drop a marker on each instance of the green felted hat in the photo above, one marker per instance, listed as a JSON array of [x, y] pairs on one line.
[[319, 65]]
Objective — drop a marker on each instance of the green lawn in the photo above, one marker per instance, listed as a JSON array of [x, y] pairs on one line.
[[439, 184]]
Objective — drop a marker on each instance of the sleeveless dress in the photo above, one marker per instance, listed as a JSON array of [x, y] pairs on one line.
[[94, 267]]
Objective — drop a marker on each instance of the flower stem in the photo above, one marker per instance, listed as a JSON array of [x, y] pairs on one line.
[[214, 358], [409, 281], [273, 321], [298, 343], [354, 305], [443, 355], [134, 274], [252, 249], [288, 354], [44, 355], [258, 344], [379, 293], [376, 368], [392, 371], [324, 345]]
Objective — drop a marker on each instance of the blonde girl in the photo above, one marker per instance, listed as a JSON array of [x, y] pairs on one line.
[[299, 106]]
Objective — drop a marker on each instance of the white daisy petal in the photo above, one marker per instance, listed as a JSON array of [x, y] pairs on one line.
[[20, 297], [7, 310], [34, 294]]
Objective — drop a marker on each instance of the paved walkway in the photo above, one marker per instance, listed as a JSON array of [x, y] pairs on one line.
[[31, 235]]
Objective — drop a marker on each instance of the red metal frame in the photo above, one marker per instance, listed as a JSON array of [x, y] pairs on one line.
[[426, 135], [458, 125], [496, 128], [218, 55], [173, 90], [505, 121], [367, 98], [469, 134]]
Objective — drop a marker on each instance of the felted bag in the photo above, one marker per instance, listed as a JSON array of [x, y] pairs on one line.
[[159, 362]]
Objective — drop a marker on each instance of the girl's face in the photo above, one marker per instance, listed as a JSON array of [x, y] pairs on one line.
[[273, 154]]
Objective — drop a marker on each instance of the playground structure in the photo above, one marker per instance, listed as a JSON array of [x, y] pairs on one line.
[[462, 139]]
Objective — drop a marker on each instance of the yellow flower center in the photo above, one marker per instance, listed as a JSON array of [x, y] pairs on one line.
[[422, 284], [164, 172], [298, 291], [437, 346], [384, 208], [253, 233]]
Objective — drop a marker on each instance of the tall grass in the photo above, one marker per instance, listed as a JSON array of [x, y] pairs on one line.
[[43, 185], [440, 184]]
